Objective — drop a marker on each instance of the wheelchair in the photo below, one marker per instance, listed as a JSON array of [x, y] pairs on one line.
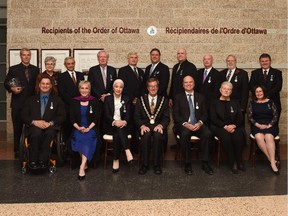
[[57, 144]]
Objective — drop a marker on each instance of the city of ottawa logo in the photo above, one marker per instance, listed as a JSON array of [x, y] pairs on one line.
[[152, 30]]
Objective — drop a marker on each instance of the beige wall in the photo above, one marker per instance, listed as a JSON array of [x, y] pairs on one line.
[[27, 18]]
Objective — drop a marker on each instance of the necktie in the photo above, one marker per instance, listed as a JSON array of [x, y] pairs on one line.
[[192, 117], [151, 70], [27, 73], [228, 75], [178, 69], [136, 73], [104, 76], [265, 75], [73, 78], [43, 105], [152, 106], [204, 75]]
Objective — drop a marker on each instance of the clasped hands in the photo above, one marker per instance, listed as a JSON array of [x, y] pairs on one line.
[[145, 129], [263, 126], [120, 123], [16, 90], [230, 128], [192, 127], [41, 124]]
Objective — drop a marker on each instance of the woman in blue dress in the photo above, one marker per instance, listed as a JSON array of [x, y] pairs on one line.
[[84, 115], [263, 116]]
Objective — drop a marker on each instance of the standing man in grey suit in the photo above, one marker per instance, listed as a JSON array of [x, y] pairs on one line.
[[20, 82], [180, 70], [157, 70], [270, 78], [102, 76]]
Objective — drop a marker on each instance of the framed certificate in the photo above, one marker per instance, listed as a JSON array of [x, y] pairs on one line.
[[58, 54], [84, 59], [14, 57]]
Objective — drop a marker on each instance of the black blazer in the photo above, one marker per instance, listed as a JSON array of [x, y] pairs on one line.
[[18, 71], [210, 88], [273, 84], [161, 72], [220, 116], [66, 87], [92, 114], [96, 80], [240, 82], [55, 110], [109, 109], [163, 117], [132, 86], [181, 111], [186, 68]]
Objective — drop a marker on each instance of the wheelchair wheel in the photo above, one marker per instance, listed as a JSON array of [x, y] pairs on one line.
[[52, 169], [61, 149]]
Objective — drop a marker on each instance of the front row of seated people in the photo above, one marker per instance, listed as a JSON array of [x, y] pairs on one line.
[[45, 112]]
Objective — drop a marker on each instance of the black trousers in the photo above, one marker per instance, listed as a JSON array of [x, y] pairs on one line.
[[206, 142], [232, 143], [17, 127], [40, 143], [120, 141], [152, 140]]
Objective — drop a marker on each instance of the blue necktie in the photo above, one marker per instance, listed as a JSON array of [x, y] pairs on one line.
[[204, 75], [43, 104], [192, 117]]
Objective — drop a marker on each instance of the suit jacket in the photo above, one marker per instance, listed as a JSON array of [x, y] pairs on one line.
[[186, 68], [109, 109], [66, 87], [273, 84], [224, 113], [240, 82], [210, 88], [92, 114], [161, 72], [132, 85], [181, 111], [54, 111], [18, 71], [163, 117], [96, 79]]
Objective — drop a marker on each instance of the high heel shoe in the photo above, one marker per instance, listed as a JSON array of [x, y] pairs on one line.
[[81, 177], [115, 170], [277, 164]]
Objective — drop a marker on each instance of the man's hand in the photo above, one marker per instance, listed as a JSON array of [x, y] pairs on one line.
[[102, 98], [134, 101], [159, 129], [41, 124], [119, 123], [16, 90], [192, 127], [230, 128], [144, 129]]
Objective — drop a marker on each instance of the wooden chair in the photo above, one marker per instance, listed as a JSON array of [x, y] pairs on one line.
[[195, 146], [254, 147], [108, 141]]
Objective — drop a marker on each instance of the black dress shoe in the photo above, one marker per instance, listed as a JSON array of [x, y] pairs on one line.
[[242, 168], [207, 169], [43, 164], [157, 170], [188, 169], [143, 170], [115, 170], [81, 177], [34, 165]]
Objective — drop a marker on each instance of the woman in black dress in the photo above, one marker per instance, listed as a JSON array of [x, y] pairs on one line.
[[263, 116], [226, 123]]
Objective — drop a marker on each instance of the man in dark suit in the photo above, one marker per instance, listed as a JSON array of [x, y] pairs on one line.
[[133, 77], [209, 80], [190, 118], [268, 77], [157, 70], [152, 117], [240, 81], [43, 113], [68, 89], [102, 77], [180, 70], [24, 76]]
